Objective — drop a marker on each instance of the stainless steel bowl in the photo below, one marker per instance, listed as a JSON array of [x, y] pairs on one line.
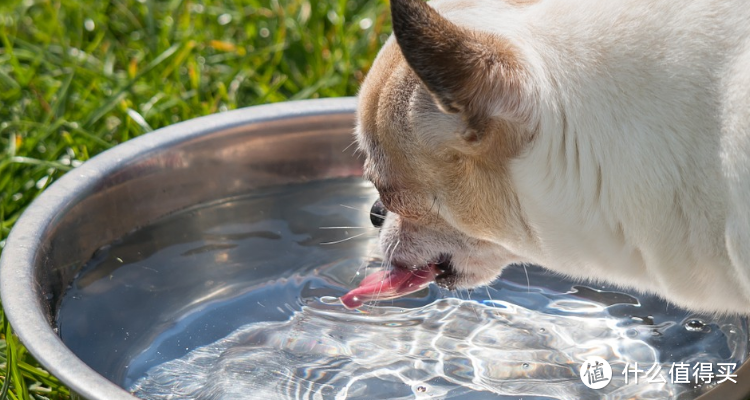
[[173, 168], [136, 182]]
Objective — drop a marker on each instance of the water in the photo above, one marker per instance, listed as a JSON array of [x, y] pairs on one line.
[[238, 297]]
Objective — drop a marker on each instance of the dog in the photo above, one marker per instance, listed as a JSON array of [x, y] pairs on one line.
[[607, 141]]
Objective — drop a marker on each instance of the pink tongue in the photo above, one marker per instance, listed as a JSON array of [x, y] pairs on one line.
[[389, 284]]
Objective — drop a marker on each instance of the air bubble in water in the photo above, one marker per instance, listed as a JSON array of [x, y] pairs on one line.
[[329, 300], [696, 325]]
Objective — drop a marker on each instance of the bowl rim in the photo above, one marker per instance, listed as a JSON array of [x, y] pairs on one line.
[[18, 288]]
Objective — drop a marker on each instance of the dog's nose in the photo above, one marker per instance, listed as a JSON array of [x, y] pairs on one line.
[[377, 213]]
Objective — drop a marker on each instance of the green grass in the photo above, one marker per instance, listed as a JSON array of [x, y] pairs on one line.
[[78, 77]]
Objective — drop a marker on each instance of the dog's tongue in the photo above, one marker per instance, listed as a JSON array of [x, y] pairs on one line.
[[390, 284]]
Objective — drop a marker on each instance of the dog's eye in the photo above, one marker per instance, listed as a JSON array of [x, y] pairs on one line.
[[377, 213]]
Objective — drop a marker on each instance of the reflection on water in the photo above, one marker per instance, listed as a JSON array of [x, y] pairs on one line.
[[234, 298]]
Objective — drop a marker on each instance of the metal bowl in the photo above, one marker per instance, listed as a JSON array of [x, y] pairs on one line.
[[136, 182], [173, 168]]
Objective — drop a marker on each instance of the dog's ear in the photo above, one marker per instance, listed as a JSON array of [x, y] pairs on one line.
[[472, 73]]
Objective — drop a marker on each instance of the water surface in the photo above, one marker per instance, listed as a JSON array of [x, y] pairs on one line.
[[235, 298]]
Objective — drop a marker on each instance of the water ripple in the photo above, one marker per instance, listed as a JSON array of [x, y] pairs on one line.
[[450, 348]]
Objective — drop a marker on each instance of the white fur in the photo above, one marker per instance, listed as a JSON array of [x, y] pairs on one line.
[[642, 85], [651, 98]]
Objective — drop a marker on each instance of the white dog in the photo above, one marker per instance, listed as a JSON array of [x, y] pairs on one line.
[[604, 140]]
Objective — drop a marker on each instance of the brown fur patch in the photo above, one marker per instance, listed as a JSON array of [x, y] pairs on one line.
[[369, 94], [478, 188], [465, 177], [465, 70]]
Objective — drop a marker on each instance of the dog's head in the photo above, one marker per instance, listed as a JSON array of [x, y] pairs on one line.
[[443, 112]]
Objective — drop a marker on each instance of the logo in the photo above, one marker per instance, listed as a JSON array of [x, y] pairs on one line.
[[596, 372]]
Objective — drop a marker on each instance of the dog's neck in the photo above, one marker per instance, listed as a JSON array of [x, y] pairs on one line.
[[629, 142]]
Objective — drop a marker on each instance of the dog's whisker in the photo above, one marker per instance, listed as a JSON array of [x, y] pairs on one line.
[[382, 265], [346, 227], [489, 296], [474, 306], [386, 256], [398, 243], [528, 284], [344, 240], [351, 207], [460, 295], [388, 253], [364, 264], [393, 251], [380, 291], [350, 145]]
